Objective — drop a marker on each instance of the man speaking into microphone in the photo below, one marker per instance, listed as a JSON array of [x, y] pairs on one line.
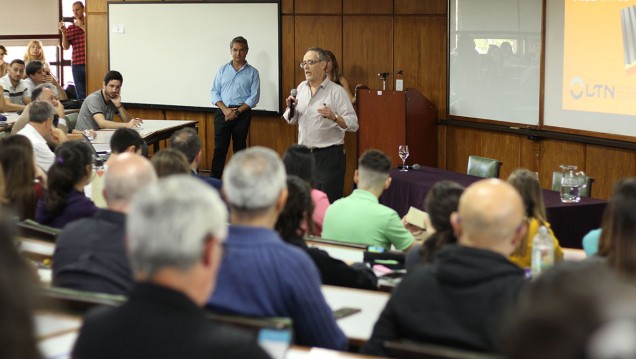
[[323, 112]]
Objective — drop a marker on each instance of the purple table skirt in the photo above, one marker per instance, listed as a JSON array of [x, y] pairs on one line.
[[569, 221]]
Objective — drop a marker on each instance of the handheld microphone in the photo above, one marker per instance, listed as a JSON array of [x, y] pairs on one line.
[[410, 167], [292, 107]]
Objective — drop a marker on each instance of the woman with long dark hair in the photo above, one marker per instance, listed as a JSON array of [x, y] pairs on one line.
[[64, 201], [333, 71], [21, 187], [289, 226], [441, 200]]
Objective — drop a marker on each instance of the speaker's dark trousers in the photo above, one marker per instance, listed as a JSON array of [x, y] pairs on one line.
[[237, 130]]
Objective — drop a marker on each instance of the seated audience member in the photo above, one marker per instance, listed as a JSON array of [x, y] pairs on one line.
[[527, 183], [360, 218], [16, 94], [174, 253], [440, 202], [261, 275], [332, 271], [574, 310], [64, 201], [618, 236], [169, 162], [461, 298], [125, 140], [22, 188], [45, 93], [90, 253], [99, 108], [300, 162], [37, 74], [3, 105], [4, 67], [188, 142], [17, 297], [39, 130]]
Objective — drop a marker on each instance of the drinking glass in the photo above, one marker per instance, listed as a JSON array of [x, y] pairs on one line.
[[403, 152]]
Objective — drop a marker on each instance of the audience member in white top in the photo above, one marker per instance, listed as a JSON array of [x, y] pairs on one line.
[[39, 130]]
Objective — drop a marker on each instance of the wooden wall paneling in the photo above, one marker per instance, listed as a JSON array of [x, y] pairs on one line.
[[420, 50], [421, 7], [461, 143], [555, 153], [607, 166], [272, 132], [96, 51], [529, 155], [441, 146], [367, 49], [290, 59], [315, 31], [287, 7], [96, 6], [318, 7], [208, 132], [503, 147], [367, 7]]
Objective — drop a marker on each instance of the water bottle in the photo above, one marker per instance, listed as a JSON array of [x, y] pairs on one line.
[[542, 252]]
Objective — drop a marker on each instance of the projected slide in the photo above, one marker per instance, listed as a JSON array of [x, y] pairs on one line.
[[599, 56]]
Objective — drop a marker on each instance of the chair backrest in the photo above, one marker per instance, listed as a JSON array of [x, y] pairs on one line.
[[409, 350], [483, 167], [76, 301], [32, 229], [584, 192], [252, 325], [71, 120]]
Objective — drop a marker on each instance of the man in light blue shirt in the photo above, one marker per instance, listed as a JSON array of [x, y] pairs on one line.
[[235, 91]]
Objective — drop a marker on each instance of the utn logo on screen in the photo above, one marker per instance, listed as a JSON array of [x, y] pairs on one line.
[[580, 88]]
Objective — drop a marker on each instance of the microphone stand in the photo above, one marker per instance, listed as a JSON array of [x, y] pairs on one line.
[[384, 75]]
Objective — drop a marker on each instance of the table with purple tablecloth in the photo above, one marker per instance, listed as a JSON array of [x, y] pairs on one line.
[[569, 221]]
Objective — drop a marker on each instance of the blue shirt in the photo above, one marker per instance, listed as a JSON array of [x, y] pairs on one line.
[[236, 87], [261, 275]]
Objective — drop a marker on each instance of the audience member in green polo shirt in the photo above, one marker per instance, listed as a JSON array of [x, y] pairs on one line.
[[360, 218]]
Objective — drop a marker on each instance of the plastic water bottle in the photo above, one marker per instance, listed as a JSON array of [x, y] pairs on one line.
[[542, 252]]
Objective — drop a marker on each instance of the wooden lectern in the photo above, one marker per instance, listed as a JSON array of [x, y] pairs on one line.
[[391, 118]]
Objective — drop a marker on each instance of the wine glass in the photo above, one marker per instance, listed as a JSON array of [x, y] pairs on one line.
[[403, 152]]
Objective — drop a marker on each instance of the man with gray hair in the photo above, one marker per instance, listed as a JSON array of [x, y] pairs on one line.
[[360, 218], [43, 92], [174, 242], [90, 253], [462, 298], [39, 130], [261, 275]]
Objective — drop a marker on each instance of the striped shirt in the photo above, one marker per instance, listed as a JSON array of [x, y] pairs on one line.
[[15, 94]]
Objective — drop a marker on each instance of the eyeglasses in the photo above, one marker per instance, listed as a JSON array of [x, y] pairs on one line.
[[309, 62]]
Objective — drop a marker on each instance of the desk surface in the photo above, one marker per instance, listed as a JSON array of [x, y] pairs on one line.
[[149, 128], [359, 326], [569, 221]]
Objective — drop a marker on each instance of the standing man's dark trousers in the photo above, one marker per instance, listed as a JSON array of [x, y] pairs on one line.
[[331, 164], [223, 131]]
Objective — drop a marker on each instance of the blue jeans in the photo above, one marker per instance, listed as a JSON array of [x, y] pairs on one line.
[[79, 78]]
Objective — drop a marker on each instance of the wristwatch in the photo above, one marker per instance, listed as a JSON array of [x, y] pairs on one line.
[[237, 112]]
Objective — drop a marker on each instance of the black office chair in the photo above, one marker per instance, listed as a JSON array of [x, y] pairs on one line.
[[411, 350], [483, 167], [583, 192]]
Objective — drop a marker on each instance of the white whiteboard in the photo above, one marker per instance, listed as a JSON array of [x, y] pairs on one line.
[[169, 53]]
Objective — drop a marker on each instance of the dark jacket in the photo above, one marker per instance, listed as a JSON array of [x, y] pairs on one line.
[[157, 322], [458, 300]]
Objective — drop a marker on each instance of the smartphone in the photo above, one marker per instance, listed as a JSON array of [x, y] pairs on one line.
[[376, 249], [275, 341], [345, 312]]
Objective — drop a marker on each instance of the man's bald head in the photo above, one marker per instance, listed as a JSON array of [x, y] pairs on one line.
[[126, 175], [490, 216]]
